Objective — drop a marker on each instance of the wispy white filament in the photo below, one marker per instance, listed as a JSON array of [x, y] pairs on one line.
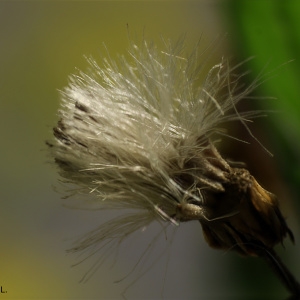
[[128, 130]]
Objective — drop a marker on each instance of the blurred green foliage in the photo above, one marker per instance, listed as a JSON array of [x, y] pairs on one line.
[[269, 30]]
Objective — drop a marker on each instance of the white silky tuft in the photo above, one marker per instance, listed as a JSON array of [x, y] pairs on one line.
[[129, 129]]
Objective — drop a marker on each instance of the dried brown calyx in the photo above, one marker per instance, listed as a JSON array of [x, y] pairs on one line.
[[237, 214]]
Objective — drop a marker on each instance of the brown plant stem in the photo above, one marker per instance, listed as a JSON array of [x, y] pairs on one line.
[[281, 271]]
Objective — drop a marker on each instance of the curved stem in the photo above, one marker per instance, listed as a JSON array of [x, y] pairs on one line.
[[281, 271]]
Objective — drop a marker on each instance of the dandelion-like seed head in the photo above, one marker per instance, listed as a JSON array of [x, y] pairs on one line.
[[140, 133]]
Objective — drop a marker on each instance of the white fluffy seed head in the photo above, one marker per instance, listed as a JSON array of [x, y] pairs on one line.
[[133, 134], [129, 127]]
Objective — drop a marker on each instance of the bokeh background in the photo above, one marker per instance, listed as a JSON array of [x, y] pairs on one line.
[[41, 44]]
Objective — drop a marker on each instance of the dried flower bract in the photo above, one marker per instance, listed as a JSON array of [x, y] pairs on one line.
[[140, 134]]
